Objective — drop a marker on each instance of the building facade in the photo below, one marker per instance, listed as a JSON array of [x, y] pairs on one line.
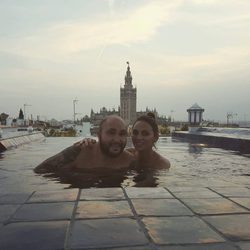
[[128, 99], [97, 117]]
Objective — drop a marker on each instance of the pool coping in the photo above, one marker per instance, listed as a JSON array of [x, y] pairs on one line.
[[135, 218]]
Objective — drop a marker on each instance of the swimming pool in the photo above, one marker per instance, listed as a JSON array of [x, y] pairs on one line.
[[191, 165]]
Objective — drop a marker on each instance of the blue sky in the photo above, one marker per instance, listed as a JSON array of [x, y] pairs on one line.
[[180, 52]]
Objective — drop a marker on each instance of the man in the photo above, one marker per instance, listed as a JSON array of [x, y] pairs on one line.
[[108, 152]]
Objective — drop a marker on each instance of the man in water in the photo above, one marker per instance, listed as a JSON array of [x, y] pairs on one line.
[[108, 152]]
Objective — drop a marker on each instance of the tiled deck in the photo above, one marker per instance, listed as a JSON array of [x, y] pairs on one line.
[[172, 218]]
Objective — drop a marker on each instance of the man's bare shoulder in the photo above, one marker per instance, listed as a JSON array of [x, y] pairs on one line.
[[60, 160]]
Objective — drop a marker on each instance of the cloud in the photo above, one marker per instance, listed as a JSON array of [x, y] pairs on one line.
[[68, 38], [229, 13], [222, 64]]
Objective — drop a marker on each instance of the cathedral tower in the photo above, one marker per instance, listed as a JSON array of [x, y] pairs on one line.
[[128, 99]]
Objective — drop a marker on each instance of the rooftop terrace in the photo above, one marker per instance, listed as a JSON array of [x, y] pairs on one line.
[[171, 217]]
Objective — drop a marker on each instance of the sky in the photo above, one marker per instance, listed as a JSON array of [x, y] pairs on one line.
[[181, 52]]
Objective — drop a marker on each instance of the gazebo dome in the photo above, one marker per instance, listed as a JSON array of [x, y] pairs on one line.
[[195, 107]]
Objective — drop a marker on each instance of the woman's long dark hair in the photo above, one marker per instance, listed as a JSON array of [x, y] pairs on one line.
[[150, 119]]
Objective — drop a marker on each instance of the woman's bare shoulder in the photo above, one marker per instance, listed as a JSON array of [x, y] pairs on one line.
[[163, 162]]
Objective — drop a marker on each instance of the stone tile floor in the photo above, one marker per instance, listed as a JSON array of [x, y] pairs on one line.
[[175, 218]]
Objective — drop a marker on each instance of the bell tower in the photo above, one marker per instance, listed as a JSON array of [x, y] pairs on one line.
[[128, 99]]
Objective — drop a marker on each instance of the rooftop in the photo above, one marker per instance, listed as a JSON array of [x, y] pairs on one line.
[[171, 217]]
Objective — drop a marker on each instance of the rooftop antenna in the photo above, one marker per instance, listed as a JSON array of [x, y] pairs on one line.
[[230, 115], [24, 112], [74, 109]]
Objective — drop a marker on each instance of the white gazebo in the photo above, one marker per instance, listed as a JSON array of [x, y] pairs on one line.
[[195, 115]]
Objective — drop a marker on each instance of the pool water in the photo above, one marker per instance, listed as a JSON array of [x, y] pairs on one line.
[[191, 165]]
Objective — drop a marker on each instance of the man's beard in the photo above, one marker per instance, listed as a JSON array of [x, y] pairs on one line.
[[105, 148]]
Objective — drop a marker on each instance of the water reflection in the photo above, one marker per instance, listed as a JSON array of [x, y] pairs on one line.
[[1, 156], [82, 179], [196, 148], [188, 167], [100, 178], [144, 177]]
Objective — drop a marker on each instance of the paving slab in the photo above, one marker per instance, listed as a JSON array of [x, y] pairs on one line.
[[147, 192], [216, 246], [49, 186], [33, 235], [176, 189], [180, 230], [99, 209], [243, 245], [213, 206], [196, 194], [160, 207], [233, 191], [54, 196], [44, 211], [243, 201], [235, 227], [14, 198], [102, 194], [6, 211], [145, 247], [102, 233]]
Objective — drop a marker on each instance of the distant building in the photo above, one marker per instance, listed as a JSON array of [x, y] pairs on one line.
[[54, 123], [195, 115], [9, 122], [140, 113], [128, 99], [96, 118], [3, 118]]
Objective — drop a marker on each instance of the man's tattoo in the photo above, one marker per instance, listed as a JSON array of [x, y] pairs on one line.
[[70, 154], [59, 161]]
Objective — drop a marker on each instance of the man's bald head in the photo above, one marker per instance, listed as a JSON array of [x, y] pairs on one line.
[[110, 119]]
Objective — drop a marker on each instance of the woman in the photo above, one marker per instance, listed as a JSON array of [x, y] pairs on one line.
[[145, 134]]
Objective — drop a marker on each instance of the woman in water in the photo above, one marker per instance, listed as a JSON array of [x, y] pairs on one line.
[[145, 134]]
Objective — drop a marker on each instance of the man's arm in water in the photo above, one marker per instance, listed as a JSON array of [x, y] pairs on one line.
[[59, 161]]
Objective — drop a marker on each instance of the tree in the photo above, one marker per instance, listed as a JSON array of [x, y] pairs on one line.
[[21, 116]]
